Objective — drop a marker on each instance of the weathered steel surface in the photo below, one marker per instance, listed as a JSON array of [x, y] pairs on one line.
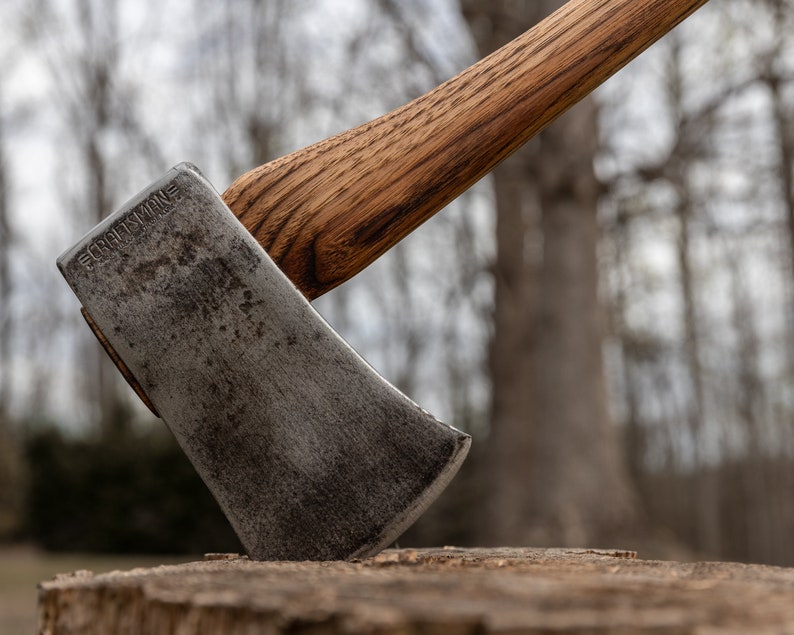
[[310, 453]]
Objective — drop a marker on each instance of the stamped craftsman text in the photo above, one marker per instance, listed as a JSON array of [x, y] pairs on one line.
[[124, 231]]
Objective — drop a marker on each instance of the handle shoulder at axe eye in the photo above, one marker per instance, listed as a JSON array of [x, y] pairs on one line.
[[325, 212]]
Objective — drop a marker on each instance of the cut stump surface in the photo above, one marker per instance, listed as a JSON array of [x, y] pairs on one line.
[[445, 591]]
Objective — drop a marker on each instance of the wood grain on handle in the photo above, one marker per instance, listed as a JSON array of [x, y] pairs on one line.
[[326, 212]]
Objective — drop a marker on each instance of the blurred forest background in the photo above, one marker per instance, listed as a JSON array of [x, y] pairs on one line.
[[610, 314]]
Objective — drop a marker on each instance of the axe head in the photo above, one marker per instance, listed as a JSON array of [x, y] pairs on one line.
[[309, 452]]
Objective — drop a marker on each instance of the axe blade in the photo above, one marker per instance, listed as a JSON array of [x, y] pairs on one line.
[[309, 452]]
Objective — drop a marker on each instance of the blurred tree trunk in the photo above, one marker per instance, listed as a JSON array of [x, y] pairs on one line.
[[631, 347], [97, 72], [783, 126], [10, 460], [778, 81], [689, 147], [5, 282], [558, 473], [750, 397]]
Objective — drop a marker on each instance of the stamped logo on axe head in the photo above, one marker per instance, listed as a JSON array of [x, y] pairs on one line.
[[309, 452]]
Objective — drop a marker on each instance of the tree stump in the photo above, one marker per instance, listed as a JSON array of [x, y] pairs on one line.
[[445, 591]]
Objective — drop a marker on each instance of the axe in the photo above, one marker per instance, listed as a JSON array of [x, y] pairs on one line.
[[202, 300]]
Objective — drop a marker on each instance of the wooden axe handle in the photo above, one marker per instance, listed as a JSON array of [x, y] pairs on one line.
[[325, 212]]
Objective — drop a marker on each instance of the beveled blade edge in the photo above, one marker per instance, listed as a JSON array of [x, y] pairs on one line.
[[412, 513]]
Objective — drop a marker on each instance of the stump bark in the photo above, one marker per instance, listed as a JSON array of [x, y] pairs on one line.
[[445, 591]]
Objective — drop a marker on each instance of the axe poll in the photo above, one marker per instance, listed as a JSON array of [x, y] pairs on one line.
[[202, 300]]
